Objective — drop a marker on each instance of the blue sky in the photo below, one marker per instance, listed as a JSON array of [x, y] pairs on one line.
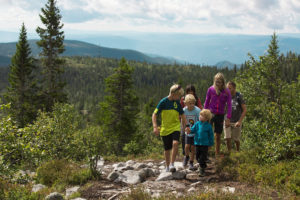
[[175, 16]]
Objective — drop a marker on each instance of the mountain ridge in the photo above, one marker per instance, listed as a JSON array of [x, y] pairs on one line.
[[80, 48]]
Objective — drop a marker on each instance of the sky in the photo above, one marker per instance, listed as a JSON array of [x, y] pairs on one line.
[[171, 16]]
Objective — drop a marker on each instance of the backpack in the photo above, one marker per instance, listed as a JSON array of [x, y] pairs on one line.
[[239, 99]]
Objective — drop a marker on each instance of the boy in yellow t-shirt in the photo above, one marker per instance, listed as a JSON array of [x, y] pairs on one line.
[[171, 111]]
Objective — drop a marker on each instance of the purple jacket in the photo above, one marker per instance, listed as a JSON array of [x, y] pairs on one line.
[[217, 103]]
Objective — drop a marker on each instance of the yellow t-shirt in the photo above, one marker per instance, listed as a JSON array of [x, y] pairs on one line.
[[170, 111]]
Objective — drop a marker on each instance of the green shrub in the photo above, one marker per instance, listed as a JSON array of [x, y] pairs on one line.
[[10, 191], [80, 177], [61, 173], [55, 171]]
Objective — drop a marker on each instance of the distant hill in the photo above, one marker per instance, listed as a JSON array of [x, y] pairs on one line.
[[78, 48], [225, 63], [4, 61], [203, 49]]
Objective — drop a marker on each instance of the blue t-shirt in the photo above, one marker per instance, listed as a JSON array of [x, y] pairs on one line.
[[192, 116]]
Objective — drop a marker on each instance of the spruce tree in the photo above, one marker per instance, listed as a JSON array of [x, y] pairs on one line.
[[119, 108], [22, 89], [52, 44]]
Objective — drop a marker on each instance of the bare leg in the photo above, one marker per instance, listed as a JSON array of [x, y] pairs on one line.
[[218, 143], [174, 151], [228, 143], [167, 157], [192, 153], [187, 149]]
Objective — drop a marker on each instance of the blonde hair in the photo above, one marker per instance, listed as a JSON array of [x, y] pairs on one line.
[[176, 89], [189, 98], [206, 113], [219, 76]]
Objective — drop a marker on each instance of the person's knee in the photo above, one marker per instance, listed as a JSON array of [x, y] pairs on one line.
[[175, 143]]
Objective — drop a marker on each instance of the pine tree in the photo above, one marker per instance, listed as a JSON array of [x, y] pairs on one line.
[[52, 39], [22, 90], [120, 108]]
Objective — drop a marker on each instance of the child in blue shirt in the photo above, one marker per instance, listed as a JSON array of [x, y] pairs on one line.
[[204, 137], [191, 113]]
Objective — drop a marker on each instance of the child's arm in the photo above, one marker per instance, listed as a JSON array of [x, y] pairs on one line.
[[154, 122], [184, 123]]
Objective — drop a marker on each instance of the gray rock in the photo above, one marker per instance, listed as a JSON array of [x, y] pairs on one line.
[[132, 177], [130, 163], [150, 172], [179, 175], [228, 189], [162, 167], [162, 163], [143, 174], [150, 164], [113, 176], [196, 184], [164, 176], [140, 166], [192, 189], [38, 187], [117, 165], [120, 179], [122, 169], [71, 191], [55, 196]]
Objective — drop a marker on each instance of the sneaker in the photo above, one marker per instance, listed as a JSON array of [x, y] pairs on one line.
[[167, 169], [202, 172], [172, 168], [191, 166], [185, 160]]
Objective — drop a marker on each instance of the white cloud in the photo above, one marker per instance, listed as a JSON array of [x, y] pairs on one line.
[[205, 16]]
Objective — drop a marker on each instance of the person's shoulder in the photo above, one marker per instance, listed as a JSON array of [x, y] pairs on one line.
[[197, 109], [211, 88], [206, 124]]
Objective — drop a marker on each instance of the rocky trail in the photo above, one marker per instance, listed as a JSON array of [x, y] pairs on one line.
[[150, 177], [121, 178]]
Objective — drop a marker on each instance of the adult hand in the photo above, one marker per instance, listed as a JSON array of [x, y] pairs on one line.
[[238, 124], [227, 123], [156, 131]]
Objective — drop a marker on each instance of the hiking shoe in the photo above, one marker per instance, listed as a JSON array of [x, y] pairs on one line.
[[185, 160], [202, 172], [172, 168], [191, 166]]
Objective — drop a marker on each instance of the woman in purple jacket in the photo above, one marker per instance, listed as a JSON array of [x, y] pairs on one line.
[[217, 97]]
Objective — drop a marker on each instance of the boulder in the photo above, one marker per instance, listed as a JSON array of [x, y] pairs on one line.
[[132, 177], [72, 190], [164, 176], [113, 176], [38, 187], [55, 196], [179, 175]]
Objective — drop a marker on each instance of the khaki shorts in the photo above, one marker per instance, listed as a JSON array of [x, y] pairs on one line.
[[232, 132]]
